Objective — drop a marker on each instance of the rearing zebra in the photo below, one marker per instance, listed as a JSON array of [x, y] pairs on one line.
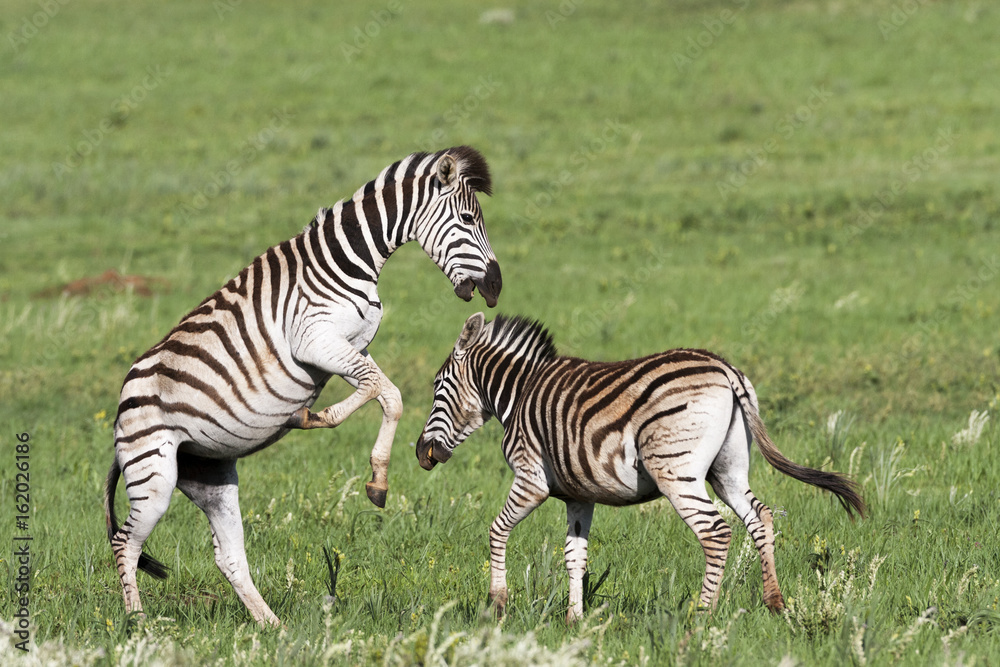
[[245, 366], [615, 433]]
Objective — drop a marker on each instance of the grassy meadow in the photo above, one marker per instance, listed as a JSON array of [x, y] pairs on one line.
[[807, 188]]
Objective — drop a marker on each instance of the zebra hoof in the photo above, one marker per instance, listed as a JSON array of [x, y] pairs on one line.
[[376, 495], [775, 604]]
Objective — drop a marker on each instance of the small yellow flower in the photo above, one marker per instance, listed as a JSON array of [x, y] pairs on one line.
[[916, 515], [100, 415]]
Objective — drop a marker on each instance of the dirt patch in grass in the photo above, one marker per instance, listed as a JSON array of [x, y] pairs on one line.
[[108, 282]]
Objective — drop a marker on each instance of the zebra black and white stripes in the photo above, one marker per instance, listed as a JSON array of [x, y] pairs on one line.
[[244, 367], [615, 433]]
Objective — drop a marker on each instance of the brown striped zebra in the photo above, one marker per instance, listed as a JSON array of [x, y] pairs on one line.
[[244, 367], [615, 433]]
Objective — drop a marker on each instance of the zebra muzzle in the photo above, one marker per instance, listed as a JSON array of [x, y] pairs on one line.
[[424, 454], [430, 454], [491, 284], [439, 453], [464, 289]]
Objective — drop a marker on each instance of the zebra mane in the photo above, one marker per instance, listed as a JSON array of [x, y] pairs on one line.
[[471, 165], [517, 332], [473, 168]]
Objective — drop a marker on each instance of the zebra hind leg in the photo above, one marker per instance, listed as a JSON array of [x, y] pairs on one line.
[[213, 486], [760, 525], [150, 472], [692, 503], [729, 479], [676, 476]]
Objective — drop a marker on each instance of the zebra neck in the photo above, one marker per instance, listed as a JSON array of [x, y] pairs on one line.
[[505, 383], [359, 227]]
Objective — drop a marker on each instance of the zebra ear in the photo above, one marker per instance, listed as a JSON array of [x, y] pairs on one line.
[[470, 332], [447, 170]]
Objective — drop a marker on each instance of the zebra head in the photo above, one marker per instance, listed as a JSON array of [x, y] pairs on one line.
[[459, 407], [450, 229]]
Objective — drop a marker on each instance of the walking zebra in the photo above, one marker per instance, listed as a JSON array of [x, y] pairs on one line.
[[614, 433], [245, 366]]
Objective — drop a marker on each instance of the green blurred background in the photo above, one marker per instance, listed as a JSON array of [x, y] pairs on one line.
[[808, 188]]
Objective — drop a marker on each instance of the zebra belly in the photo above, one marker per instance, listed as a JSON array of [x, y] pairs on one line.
[[220, 429], [213, 443], [617, 476]]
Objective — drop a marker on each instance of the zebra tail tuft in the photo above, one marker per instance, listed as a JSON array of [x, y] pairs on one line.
[[152, 567], [845, 489], [147, 564]]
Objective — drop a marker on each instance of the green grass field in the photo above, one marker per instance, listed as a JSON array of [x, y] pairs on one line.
[[806, 188]]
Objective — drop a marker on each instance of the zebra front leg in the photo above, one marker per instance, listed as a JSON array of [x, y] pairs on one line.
[[392, 410], [338, 357], [214, 487], [523, 498], [578, 518], [369, 386], [357, 368]]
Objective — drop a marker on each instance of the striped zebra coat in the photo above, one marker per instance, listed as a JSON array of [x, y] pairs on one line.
[[615, 433], [244, 367]]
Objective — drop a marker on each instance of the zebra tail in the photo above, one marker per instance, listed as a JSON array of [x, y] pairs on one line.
[[146, 563], [844, 488]]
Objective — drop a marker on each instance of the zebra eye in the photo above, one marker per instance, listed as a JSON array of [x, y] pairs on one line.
[[467, 217]]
